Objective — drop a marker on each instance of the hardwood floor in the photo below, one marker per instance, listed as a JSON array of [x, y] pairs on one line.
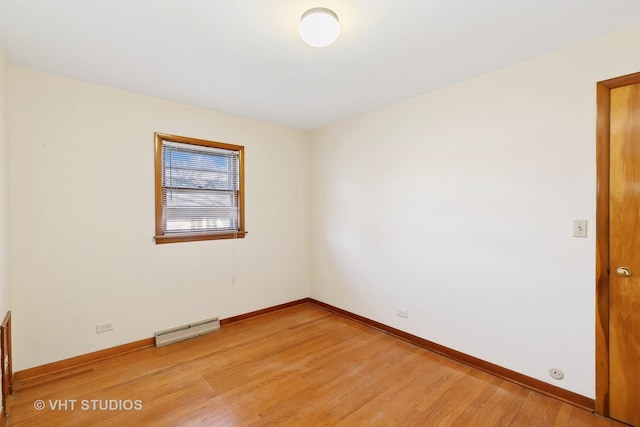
[[301, 366]]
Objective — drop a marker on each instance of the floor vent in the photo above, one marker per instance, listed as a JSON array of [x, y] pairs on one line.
[[169, 336]]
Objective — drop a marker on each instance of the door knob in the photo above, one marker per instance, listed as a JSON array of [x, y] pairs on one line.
[[623, 271]]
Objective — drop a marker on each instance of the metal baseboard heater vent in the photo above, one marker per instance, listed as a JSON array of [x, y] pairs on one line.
[[181, 333]]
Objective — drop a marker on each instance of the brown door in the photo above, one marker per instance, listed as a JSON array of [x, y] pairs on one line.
[[624, 255]]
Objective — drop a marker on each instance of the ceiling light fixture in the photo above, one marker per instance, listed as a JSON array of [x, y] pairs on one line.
[[319, 27]]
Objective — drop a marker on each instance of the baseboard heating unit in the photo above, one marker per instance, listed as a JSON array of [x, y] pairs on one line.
[[181, 333]]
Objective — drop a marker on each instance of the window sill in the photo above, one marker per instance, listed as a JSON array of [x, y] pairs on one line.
[[177, 238]]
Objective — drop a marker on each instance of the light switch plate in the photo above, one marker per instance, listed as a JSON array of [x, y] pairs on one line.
[[579, 228]]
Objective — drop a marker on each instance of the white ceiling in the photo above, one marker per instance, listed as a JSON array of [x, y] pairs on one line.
[[245, 57]]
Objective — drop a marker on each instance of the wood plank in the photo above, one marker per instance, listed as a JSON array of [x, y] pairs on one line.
[[624, 229], [84, 359], [507, 374], [262, 311], [302, 365], [603, 89], [602, 251], [6, 360], [78, 361]]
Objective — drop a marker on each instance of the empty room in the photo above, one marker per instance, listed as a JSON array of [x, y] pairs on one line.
[[269, 212]]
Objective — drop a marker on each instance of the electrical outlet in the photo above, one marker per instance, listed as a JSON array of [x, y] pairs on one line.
[[401, 312], [104, 327]]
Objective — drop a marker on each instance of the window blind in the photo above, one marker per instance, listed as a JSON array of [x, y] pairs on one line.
[[200, 188]]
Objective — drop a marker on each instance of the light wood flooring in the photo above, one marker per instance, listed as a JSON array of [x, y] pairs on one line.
[[301, 366]]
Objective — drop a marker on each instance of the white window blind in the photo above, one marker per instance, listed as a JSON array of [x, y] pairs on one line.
[[200, 188]]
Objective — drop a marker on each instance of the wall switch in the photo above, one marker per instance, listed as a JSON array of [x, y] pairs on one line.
[[104, 327], [579, 228], [401, 312]]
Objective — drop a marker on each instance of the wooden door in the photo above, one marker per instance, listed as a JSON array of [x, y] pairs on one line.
[[624, 254]]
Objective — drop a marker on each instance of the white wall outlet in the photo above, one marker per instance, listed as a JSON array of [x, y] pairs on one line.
[[556, 373], [579, 228], [401, 312], [104, 327]]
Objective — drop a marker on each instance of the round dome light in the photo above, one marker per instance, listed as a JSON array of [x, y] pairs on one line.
[[319, 27]]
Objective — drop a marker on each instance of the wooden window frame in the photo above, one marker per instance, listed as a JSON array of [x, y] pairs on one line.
[[160, 236]]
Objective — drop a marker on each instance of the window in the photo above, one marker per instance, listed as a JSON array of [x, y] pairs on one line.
[[199, 189]]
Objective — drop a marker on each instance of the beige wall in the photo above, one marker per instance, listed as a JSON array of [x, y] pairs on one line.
[[82, 208], [458, 206], [5, 294]]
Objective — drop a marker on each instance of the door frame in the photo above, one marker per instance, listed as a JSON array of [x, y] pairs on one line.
[[603, 95]]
